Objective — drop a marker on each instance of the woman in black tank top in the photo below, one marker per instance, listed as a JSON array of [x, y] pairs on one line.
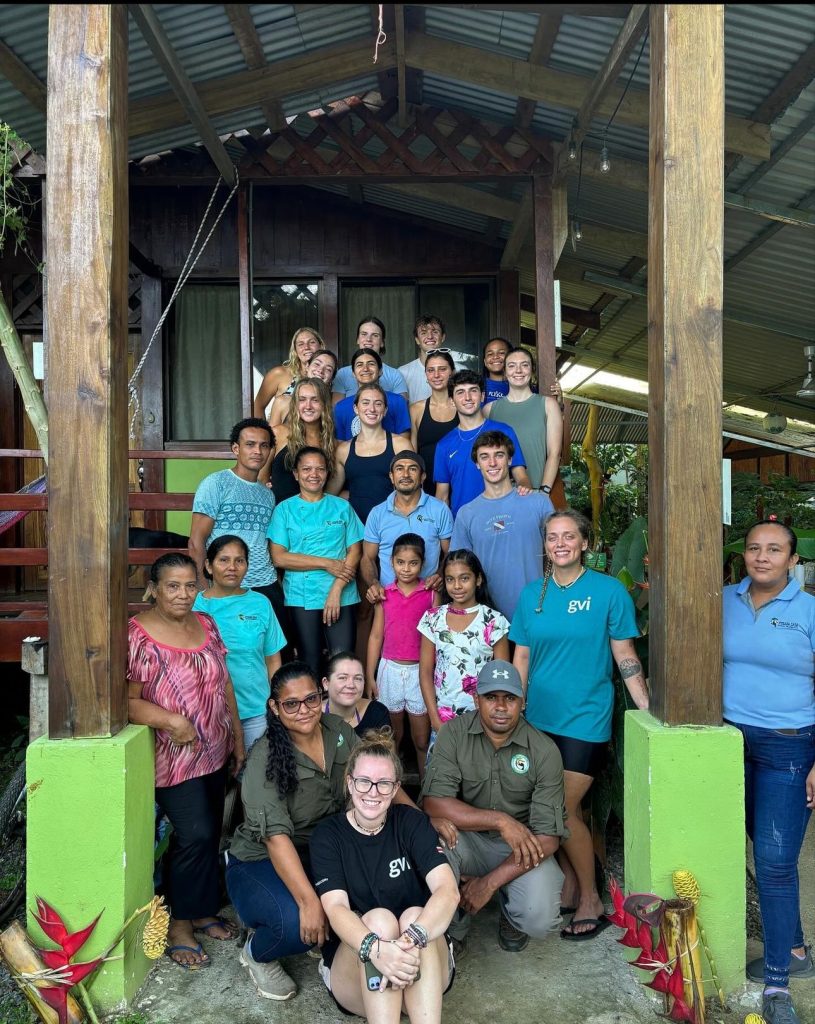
[[363, 464], [426, 429], [310, 424]]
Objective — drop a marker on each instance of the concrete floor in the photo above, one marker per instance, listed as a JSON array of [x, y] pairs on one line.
[[551, 982]]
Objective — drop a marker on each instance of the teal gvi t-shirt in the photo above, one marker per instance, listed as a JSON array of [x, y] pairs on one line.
[[324, 529], [250, 632], [570, 691]]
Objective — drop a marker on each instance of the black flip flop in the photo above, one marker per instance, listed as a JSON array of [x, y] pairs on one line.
[[600, 925]]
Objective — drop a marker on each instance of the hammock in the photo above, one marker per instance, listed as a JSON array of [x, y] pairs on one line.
[[10, 518]]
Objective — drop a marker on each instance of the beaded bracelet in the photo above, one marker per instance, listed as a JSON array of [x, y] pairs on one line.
[[366, 946], [418, 935]]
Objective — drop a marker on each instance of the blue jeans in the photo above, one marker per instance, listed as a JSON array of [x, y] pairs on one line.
[[775, 769], [265, 904], [253, 728]]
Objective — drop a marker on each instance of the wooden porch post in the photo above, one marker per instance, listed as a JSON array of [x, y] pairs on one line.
[[685, 360], [87, 226], [544, 281], [245, 299]]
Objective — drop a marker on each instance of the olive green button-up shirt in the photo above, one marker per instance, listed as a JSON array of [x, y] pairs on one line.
[[523, 778], [318, 794]]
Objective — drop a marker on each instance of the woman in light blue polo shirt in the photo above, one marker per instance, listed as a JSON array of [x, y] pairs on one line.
[[317, 539], [248, 627], [570, 627], [769, 640]]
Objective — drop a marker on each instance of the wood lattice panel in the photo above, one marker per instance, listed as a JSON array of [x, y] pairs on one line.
[[28, 300], [358, 138]]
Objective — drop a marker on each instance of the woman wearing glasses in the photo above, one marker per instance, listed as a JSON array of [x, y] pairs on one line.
[[388, 892], [294, 778]]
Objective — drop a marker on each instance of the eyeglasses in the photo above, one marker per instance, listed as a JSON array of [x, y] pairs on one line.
[[384, 787], [292, 706]]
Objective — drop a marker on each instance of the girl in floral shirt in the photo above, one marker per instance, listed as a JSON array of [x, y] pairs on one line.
[[458, 638]]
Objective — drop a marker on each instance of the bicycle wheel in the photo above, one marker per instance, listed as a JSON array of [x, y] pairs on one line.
[[12, 844]]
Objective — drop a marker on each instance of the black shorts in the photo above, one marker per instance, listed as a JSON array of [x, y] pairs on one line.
[[580, 755]]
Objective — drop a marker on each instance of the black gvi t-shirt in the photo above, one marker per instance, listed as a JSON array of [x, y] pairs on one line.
[[387, 870]]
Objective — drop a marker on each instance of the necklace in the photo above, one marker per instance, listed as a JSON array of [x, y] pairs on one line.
[[565, 586], [368, 831], [462, 611], [475, 435]]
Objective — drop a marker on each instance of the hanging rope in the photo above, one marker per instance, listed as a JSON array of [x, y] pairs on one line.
[[189, 265], [381, 38]]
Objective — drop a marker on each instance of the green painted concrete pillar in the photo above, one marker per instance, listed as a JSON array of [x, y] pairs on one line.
[[684, 809], [90, 846]]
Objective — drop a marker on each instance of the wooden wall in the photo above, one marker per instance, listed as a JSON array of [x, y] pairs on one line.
[[299, 231], [749, 458]]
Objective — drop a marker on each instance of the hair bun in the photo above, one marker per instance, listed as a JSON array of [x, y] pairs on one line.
[[772, 518]]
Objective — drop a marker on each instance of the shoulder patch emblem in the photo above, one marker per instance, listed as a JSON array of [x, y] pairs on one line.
[[519, 764], [340, 740]]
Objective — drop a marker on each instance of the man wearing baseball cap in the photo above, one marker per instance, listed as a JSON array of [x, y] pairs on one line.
[[408, 510], [500, 782]]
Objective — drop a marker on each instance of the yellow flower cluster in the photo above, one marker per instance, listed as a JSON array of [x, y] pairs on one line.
[[754, 1018], [154, 937], [685, 886]]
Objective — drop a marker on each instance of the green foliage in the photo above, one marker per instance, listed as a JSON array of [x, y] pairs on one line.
[[782, 496], [622, 500], [14, 196], [629, 553]]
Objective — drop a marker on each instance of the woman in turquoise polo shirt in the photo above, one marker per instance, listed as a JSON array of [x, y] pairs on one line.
[[317, 539], [769, 640], [248, 627], [570, 627]]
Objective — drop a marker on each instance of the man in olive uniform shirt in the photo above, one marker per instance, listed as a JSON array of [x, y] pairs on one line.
[[500, 781]]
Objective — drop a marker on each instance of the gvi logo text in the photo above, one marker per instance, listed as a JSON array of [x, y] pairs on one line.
[[579, 606], [398, 866]]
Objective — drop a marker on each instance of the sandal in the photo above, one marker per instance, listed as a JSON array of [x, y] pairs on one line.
[[196, 965], [219, 922]]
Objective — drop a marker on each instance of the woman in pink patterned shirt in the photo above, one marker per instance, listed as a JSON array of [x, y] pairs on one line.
[[179, 685]]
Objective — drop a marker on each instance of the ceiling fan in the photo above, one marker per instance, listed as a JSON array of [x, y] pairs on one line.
[[775, 422]]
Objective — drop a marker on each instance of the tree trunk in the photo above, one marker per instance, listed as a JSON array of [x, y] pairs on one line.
[[32, 397]]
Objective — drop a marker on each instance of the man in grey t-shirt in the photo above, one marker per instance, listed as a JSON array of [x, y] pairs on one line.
[[503, 526]]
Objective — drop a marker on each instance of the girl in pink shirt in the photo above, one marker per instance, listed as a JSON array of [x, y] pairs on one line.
[[395, 637]]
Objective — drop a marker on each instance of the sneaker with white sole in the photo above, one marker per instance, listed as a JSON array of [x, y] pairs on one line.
[[270, 979], [510, 938]]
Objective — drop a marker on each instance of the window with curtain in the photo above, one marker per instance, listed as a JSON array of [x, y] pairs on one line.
[[278, 310], [464, 306], [204, 363]]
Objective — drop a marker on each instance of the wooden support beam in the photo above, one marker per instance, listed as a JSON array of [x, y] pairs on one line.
[[401, 88], [575, 10], [463, 198], [243, 26], [557, 88], [539, 52], [141, 262], [87, 228], [156, 39], [508, 322], [521, 227], [312, 70], [686, 216], [245, 297], [22, 78], [783, 214], [780, 151], [763, 237], [634, 26], [544, 281]]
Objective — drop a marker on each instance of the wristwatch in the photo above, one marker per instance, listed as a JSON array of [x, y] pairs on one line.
[[545, 488]]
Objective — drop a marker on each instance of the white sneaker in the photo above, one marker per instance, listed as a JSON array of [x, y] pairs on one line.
[[270, 979]]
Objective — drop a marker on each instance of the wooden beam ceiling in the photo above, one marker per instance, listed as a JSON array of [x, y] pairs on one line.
[[313, 70], [635, 24], [556, 88], [22, 78], [521, 229], [156, 39], [243, 26]]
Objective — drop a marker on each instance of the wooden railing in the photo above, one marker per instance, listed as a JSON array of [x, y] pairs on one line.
[[19, 617]]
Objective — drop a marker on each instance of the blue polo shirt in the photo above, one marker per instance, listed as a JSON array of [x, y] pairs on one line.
[[570, 690], [431, 519], [324, 529], [346, 421], [769, 662], [453, 465]]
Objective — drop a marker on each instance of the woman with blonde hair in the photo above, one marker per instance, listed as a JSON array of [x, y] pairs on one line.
[[280, 380], [310, 423], [387, 952]]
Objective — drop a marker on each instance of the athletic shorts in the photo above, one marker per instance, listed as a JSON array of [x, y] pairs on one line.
[[399, 688], [580, 755]]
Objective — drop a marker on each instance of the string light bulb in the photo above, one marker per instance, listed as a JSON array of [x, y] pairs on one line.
[[572, 148], [605, 162], [577, 231]]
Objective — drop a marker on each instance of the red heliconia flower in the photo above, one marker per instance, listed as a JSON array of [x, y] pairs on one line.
[[619, 917], [56, 995], [645, 938], [631, 938], [676, 986], [659, 982], [681, 1011]]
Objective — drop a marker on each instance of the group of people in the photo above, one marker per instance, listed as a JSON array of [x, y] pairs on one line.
[[425, 573]]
